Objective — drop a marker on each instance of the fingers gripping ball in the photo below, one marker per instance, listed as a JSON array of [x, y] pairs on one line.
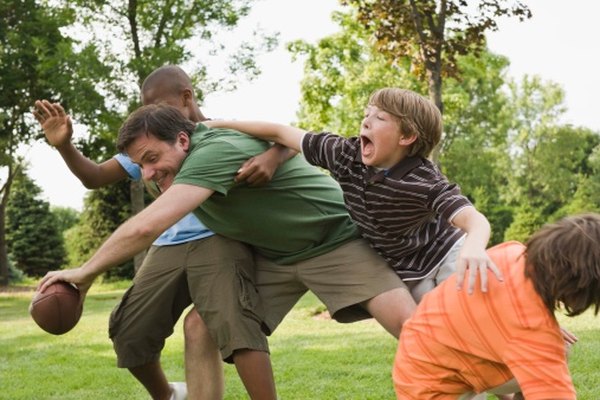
[[58, 309]]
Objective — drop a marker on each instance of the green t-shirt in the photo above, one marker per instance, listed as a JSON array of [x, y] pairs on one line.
[[300, 214]]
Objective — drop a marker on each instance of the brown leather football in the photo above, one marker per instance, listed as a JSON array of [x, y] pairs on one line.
[[58, 309]]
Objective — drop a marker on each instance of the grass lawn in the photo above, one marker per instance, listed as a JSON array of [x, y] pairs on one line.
[[313, 358]]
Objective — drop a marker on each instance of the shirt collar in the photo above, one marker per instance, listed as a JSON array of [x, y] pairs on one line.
[[396, 172]]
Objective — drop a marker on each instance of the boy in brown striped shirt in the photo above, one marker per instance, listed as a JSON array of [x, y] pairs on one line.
[[403, 205]]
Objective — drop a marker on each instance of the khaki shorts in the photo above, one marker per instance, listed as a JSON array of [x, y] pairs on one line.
[[341, 279], [215, 273]]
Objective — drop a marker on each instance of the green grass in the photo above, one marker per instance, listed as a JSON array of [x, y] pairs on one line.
[[312, 358]]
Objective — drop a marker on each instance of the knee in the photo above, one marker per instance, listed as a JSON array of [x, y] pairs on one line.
[[194, 328], [391, 309]]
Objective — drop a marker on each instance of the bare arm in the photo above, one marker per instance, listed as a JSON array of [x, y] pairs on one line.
[[473, 256], [134, 235], [285, 135], [58, 130]]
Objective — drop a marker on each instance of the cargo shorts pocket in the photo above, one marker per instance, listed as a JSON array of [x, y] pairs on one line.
[[249, 298], [116, 315]]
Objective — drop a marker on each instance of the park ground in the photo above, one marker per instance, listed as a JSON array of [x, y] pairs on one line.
[[313, 357]]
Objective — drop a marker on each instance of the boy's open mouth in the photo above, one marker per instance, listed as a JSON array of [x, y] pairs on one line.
[[366, 145]]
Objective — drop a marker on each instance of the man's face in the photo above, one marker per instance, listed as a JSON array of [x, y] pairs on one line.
[[160, 161]]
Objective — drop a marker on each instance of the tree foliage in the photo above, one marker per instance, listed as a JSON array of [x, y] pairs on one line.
[[340, 72], [433, 34], [66, 217], [136, 37], [104, 210], [474, 149], [553, 165], [34, 240], [503, 141], [587, 195], [37, 61]]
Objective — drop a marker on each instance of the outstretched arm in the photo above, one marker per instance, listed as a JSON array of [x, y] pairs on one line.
[[134, 235], [285, 135], [473, 256], [58, 130]]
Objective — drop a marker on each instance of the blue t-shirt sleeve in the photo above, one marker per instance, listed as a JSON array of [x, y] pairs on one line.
[[132, 169]]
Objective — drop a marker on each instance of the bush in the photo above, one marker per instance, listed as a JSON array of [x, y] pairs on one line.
[[15, 275]]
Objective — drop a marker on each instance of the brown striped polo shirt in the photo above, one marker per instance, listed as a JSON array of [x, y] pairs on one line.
[[404, 212]]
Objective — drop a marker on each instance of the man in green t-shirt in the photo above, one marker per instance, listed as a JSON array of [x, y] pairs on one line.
[[297, 224]]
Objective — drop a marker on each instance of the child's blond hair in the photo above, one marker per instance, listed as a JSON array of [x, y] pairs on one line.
[[416, 116]]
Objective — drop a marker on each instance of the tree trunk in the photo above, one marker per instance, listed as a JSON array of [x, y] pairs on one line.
[[435, 95], [136, 191], [3, 245], [3, 248]]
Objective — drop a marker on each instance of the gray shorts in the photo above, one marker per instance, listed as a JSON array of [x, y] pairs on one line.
[[342, 279], [446, 267], [216, 274]]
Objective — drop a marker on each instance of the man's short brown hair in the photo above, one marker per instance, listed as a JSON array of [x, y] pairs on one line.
[[563, 262], [161, 121], [416, 116]]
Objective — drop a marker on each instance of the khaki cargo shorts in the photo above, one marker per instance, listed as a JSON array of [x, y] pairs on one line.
[[341, 279], [216, 274]]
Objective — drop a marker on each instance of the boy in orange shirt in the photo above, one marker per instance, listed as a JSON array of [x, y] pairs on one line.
[[508, 339]]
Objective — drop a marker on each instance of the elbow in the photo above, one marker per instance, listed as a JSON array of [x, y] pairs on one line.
[[138, 232], [89, 184], [90, 180], [145, 232]]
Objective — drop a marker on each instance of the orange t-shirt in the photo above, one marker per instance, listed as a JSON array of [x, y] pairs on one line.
[[456, 343]]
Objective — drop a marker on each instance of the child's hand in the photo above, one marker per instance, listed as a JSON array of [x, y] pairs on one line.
[[258, 171], [54, 121], [474, 259], [568, 336], [569, 339]]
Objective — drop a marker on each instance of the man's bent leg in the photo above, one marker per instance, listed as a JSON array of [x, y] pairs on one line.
[[221, 283], [154, 380], [391, 309], [355, 283], [204, 372], [203, 367], [254, 368], [146, 315]]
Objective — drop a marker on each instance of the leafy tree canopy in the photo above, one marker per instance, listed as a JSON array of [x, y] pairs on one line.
[[503, 141], [424, 30], [38, 61]]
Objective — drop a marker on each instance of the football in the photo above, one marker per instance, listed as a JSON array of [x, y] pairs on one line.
[[58, 309]]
